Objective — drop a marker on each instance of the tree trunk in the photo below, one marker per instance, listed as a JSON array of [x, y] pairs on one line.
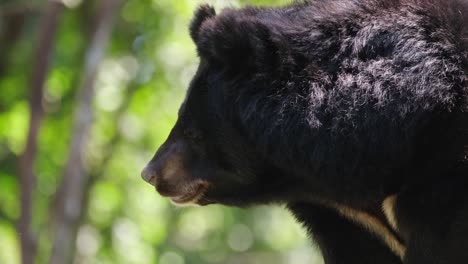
[[47, 31], [69, 199]]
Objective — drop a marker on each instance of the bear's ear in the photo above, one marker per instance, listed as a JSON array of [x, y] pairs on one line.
[[237, 42], [203, 13]]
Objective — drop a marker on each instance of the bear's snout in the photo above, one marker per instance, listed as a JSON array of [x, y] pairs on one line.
[[167, 161], [149, 175], [168, 171]]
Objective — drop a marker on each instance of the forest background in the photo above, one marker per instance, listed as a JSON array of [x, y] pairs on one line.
[[88, 91]]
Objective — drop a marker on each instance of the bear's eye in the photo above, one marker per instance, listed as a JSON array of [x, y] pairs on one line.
[[192, 133]]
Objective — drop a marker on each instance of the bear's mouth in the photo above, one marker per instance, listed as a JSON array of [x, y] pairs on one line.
[[192, 198]]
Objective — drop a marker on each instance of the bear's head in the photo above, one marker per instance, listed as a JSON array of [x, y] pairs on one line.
[[208, 156]]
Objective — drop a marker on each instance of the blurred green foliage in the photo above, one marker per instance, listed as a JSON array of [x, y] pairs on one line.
[[140, 84]]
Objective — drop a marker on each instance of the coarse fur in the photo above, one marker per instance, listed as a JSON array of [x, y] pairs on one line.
[[332, 107]]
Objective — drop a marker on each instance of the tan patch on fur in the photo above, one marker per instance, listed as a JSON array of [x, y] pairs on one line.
[[373, 225], [199, 191], [388, 208], [192, 202]]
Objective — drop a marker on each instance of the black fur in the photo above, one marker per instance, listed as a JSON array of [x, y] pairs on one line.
[[342, 101], [203, 13]]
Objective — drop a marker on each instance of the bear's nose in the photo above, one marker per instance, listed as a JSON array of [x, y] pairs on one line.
[[149, 174]]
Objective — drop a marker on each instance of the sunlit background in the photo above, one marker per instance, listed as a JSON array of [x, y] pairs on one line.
[[141, 80]]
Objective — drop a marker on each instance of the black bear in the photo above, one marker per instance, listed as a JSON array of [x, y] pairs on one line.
[[352, 113]]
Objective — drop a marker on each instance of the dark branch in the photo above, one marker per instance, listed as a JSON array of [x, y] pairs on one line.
[[71, 192], [14, 9], [47, 31]]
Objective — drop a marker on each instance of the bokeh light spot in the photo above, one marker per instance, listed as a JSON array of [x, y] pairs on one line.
[[171, 258], [240, 238]]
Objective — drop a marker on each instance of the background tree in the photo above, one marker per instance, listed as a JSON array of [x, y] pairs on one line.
[[88, 91]]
